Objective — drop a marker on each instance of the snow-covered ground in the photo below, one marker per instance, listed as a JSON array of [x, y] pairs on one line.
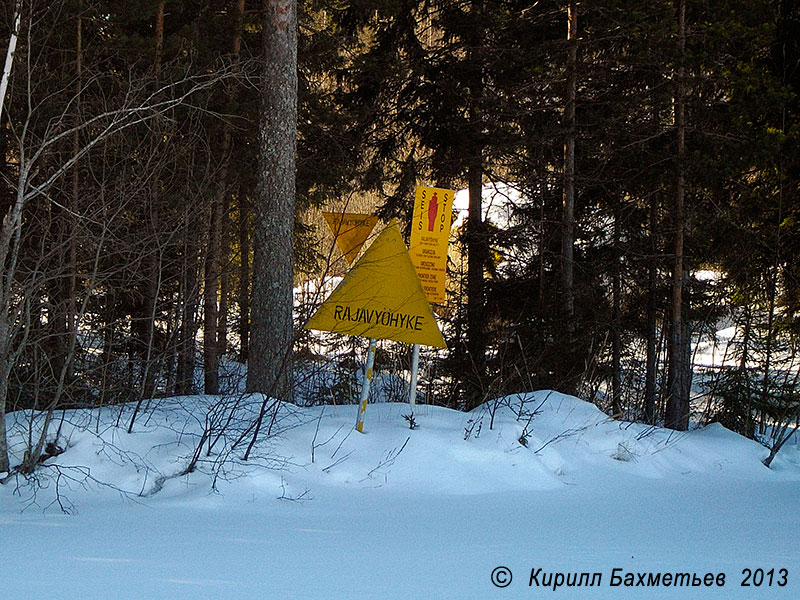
[[543, 485]]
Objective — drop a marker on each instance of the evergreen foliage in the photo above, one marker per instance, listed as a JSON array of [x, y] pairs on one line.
[[124, 239]]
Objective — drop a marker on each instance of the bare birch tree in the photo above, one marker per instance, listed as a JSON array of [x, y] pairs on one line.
[[12, 49]]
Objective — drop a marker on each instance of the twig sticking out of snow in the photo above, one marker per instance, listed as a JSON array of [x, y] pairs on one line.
[[388, 460]]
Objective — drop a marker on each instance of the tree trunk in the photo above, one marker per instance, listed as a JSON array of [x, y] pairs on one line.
[[152, 354], [616, 340], [568, 216], [224, 282], [109, 340], [772, 290], [62, 323], [272, 329], [184, 379], [147, 336], [73, 253], [9, 249], [215, 330], [5, 371], [159, 35], [677, 411], [651, 366], [244, 278], [210, 290], [476, 235], [477, 257]]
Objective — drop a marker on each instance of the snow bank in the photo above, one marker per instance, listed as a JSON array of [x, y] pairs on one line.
[[525, 442], [532, 483]]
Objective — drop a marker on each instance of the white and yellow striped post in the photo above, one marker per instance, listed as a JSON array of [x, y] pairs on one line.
[[362, 403], [412, 388]]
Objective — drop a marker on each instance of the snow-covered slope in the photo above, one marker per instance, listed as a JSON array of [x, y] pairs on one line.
[[534, 481]]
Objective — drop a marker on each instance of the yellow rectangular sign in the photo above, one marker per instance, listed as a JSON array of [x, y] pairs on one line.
[[430, 237]]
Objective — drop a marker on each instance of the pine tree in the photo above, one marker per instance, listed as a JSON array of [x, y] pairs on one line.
[[272, 331]]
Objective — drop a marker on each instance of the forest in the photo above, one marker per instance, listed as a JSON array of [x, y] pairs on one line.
[[165, 163]]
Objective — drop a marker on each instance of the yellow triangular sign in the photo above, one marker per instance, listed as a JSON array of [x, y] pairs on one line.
[[381, 297], [350, 231]]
